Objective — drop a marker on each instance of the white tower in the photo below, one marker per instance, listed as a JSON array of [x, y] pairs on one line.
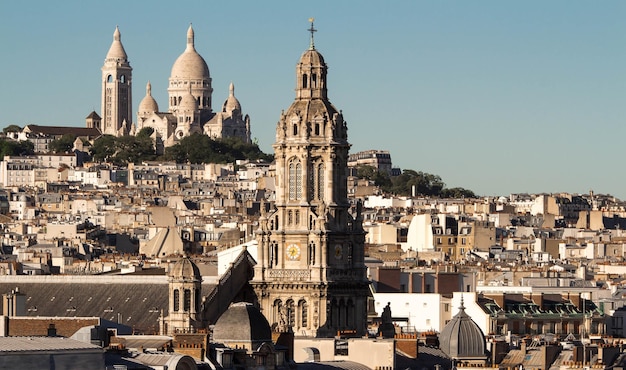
[[116, 89]]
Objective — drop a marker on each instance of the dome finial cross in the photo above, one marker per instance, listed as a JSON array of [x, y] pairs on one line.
[[312, 30]]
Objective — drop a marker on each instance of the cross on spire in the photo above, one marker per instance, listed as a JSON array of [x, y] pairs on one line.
[[312, 30]]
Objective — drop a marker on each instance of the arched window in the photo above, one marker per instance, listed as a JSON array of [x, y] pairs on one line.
[[304, 313], [298, 181], [277, 308], [109, 78], [122, 79], [310, 190], [295, 129], [291, 313], [176, 300], [187, 300], [313, 80], [320, 181], [311, 254], [295, 180], [292, 181], [317, 128], [304, 81], [275, 254]]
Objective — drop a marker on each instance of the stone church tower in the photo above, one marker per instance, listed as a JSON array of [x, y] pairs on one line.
[[185, 299], [311, 276], [116, 90]]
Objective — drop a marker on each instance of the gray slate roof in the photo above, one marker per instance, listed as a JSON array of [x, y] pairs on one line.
[[135, 304]]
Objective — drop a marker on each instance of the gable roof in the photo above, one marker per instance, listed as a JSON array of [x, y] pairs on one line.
[[62, 130], [165, 243]]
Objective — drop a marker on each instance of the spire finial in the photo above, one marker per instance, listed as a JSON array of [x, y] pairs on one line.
[[312, 30], [231, 89], [190, 38], [462, 305], [149, 89]]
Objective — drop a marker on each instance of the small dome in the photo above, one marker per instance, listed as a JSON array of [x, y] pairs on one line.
[[116, 51], [231, 103], [185, 269], [190, 65], [242, 322], [188, 103], [148, 104], [312, 57], [462, 338]]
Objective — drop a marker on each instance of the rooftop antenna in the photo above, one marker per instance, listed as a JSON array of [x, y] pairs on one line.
[[312, 30]]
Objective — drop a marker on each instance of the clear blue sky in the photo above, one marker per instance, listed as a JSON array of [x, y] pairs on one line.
[[495, 96]]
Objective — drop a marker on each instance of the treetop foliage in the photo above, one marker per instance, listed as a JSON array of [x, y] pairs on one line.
[[425, 184], [123, 150], [196, 148], [199, 148], [64, 144], [12, 128], [15, 148]]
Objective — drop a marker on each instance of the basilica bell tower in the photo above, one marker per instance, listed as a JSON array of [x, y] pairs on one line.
[[116, 90], [311, 277]]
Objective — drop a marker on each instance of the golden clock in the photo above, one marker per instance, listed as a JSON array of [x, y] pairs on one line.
[[293, 252]]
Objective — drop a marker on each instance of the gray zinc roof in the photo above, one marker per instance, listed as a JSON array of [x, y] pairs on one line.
[[137, 302]]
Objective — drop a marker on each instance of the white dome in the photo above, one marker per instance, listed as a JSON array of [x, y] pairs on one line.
[[148, 104], [190, 65], [231, 103], [188, 103]]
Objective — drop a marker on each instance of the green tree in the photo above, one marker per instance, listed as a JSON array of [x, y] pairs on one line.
[[199, 148], [424, 183], [380, 178], [146, 131], [124, 149], [12, 128], [103, 149], [15, 148], [366, 172], [64, 144], [457, 193]]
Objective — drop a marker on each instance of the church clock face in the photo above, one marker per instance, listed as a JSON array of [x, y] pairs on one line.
[[338, 251], [293, 252]]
